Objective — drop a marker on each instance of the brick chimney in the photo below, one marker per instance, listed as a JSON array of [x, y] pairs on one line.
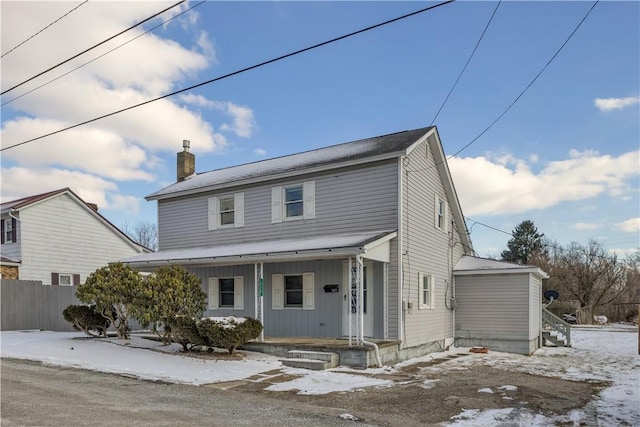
[[186, 162]]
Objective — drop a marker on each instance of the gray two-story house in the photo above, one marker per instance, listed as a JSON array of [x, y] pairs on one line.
[[356, 241]]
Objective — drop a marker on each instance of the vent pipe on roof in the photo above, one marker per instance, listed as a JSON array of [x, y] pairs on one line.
[[186, 162]]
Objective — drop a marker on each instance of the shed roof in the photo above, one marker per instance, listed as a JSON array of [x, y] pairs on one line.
[[468, 265], [361, 151]]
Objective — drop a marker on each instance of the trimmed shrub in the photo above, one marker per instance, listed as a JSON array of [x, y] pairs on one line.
[[185, 332], [85, 318], [229, 332]]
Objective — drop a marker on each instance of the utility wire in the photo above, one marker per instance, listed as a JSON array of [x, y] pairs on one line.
[[23, 42], [517, 98], [465, 65], [92, 47], [98, 57], [261, 64], [530, 84]]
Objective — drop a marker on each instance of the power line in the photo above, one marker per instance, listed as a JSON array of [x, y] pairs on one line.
[[517, 98], [23, 42], [92, 47], [530, 84], [465, 65], [106, 53], [261, 64]]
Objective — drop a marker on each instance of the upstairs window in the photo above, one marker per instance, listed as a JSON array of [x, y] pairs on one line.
[[441, 214], [9, 230], [226, 211], [293, 202]]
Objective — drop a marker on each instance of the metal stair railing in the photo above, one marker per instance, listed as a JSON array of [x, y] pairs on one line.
[[553, 322]]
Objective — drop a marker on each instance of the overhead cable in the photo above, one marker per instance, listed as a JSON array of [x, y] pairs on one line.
[[23, 42], [100, 56], [465, 65], [92, 47], [252, 67]]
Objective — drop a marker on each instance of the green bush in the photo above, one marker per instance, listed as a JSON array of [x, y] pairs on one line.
[[85, 318], [185, 332], [229, 332]]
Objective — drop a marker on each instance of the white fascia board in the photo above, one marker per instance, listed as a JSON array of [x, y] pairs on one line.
[[534, 270], [281, 175]]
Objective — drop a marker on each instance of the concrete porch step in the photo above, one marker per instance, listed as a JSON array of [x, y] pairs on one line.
[[316, 360]]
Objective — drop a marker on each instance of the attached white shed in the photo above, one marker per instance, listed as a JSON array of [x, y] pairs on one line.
[[498, 305]]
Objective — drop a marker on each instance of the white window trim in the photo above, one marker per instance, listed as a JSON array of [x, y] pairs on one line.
[[445, 214], [278, 204], [278, 292], [213, 293], [70, 276], [421, 303], [214, 221]]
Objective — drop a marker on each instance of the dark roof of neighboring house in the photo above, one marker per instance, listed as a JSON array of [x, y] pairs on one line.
[[5, 260], [361, 151], [26, 201], [16, 205]]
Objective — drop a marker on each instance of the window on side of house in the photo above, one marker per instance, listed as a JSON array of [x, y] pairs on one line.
[[65, 279], [425, 290], [226, 211], [8, 232], [293, 291], [293, 202], [441, 214], [226, 292]]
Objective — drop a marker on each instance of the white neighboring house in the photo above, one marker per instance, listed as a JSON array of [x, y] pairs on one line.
[[59, 239]]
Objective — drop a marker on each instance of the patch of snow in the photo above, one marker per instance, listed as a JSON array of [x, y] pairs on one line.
[[349, 417], [485, 390], [427, 384], [323, 382], [508, 388]]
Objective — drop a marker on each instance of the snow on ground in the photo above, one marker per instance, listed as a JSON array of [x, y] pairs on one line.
[[606, 353]]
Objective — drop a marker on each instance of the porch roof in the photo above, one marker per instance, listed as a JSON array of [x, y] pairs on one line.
[[328, 246]]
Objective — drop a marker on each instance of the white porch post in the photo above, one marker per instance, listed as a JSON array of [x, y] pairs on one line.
[[360, 296], [259, 295], [349, 299]]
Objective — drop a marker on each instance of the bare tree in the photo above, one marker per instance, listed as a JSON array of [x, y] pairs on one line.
[[590, 275], [144, 233]]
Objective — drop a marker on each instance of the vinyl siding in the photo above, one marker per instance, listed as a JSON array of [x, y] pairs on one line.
[[59, 235], [426, 249], [347, 200], [493, 306], [535, 306]]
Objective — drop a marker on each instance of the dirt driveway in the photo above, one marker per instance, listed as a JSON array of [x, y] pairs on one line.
[[420, 395]]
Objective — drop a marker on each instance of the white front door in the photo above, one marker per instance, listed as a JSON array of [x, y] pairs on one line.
[[349, 298]]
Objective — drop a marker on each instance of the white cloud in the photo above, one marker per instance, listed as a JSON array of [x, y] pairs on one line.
[[509, 186], [126, 146], [260, 152], [610, 104], [243, 121], [624, 253], [632, 225], [585, 226], [19, 182]]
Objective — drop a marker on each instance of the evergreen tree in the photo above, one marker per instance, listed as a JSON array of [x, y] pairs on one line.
[[525, 243]]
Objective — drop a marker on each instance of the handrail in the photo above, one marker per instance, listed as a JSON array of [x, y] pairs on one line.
[[550, 320]]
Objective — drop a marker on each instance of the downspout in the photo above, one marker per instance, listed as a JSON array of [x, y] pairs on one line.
[[12, 216], [360, 267], [400, 260]]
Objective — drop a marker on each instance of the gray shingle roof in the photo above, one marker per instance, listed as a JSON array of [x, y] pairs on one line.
[[391, 145]]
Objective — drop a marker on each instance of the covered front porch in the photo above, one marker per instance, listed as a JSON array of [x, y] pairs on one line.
[[306, 292]]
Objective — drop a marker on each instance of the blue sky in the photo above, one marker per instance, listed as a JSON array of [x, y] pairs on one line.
[[565, 156]]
